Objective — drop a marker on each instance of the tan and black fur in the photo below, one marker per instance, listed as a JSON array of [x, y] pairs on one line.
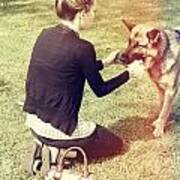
[[159, 48]]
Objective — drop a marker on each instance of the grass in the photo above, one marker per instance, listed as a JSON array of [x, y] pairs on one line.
[[128, 112]]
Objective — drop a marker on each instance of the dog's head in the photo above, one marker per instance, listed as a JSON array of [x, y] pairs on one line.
[[143, 43]]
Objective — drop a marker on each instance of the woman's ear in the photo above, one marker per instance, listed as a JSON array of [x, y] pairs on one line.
[[86, 19]]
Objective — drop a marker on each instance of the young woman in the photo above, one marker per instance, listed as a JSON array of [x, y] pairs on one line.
[[61, 61]]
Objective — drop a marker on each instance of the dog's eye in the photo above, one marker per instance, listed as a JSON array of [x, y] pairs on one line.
[[134, 44], [136, 34], [142, 45]]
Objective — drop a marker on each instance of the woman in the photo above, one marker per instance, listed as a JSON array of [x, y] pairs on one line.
[[61, 62]]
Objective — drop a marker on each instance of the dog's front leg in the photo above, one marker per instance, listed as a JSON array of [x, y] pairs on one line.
[[159, 124], [161, 95]]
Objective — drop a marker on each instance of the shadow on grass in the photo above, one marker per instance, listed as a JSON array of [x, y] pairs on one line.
[[4, 86], [137, 128], [129, 130], [133, 129]]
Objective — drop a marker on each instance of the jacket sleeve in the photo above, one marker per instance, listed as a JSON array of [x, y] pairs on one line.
[[91, 72], [99, 65]]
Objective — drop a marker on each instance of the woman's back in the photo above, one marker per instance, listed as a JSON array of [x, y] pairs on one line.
[[55, 80]]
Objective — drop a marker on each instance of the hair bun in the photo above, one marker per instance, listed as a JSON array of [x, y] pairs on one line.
[[80, 4]]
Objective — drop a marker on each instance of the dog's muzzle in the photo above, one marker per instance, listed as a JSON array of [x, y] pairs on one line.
[[123, 59]]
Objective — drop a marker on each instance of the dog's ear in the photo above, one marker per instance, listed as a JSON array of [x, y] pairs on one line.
[[129, 25], [153, 35]]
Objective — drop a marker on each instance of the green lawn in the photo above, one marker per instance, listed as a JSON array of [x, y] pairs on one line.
[[128, 112]]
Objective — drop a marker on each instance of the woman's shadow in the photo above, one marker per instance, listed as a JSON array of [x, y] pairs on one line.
[[126, 131], [132, 129]]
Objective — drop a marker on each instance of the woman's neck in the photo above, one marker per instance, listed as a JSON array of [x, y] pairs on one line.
[[73, 25]]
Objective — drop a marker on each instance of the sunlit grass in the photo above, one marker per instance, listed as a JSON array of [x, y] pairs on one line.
[[128, 112]]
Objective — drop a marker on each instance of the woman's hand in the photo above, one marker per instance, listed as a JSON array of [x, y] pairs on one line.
[[111, 59], [136, 69]]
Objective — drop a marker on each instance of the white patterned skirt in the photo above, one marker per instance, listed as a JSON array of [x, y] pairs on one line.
[[84, 129]]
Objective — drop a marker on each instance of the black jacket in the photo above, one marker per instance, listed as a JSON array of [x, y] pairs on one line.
[[60, 64]]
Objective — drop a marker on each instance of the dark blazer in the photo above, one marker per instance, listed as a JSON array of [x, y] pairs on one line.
[[59, 65]]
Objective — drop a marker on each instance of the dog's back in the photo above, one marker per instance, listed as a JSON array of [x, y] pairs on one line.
[[172, 58]]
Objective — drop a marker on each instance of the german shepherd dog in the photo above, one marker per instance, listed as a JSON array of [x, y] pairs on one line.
[[159, 49]]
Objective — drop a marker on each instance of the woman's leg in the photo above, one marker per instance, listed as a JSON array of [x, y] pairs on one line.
[[101, 143]]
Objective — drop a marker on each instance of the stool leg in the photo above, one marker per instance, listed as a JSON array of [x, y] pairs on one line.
[[53, 156], [37, 158]]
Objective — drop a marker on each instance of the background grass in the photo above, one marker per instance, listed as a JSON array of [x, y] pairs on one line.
[[128, 112]]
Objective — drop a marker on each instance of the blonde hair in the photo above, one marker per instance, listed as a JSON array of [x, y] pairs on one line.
[[80, 4], [67, 9]]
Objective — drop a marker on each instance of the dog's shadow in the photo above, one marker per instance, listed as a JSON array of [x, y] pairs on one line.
[[132, 129], [137, 128]]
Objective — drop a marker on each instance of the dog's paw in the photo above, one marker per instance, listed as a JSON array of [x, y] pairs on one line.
[[158, 132], [158, 129], [155, 124]]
